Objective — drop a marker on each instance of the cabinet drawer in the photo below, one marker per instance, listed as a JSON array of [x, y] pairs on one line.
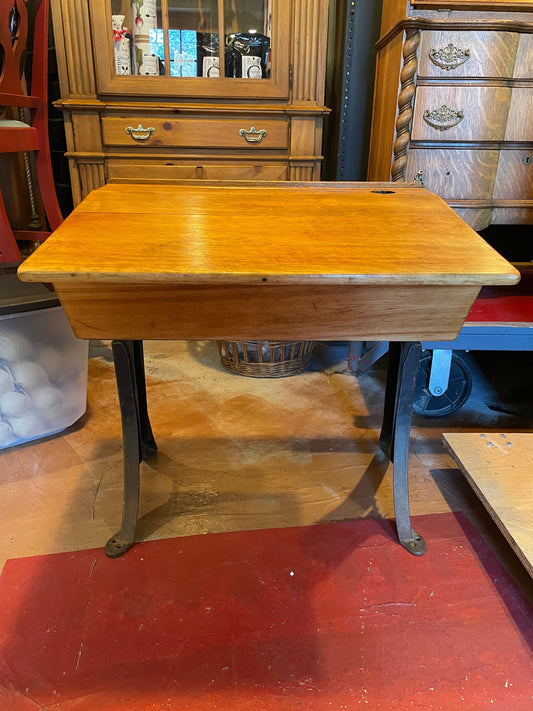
[[469, 113], [524, 58], [454, 174], [467, 54], [152, 132], [514, 179], [519, 120], [137, 169]]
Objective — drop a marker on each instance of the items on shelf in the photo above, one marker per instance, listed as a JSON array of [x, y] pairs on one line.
[[144, 16], [122, 43], [250, 54], [142, 51]]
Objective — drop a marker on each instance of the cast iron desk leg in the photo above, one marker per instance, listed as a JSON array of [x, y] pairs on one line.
[[137, 437], [394, 438], [139, 444]]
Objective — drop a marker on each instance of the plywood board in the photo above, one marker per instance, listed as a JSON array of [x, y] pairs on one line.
[[499, 466]]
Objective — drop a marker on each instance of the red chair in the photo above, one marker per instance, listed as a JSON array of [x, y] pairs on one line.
[[31, 134]]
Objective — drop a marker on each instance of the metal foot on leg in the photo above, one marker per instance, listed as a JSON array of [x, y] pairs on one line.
[[138, 440], [415, 545], [399, 397]]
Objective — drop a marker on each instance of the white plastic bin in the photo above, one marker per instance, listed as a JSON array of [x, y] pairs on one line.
[[43, 367]]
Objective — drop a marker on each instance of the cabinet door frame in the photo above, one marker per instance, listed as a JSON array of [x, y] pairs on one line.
[[108, 83]]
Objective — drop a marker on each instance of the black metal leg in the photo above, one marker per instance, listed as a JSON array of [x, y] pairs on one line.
[[138, 441], [399, 399], [148, 445], [389, 408]]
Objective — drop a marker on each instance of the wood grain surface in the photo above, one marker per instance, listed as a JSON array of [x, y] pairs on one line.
[[499, 468], [197, 131], [455, 172], [276, 312], [492, 54], [484, 112], [252, 234]]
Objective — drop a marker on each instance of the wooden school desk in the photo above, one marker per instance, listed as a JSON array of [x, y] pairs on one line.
[[277, 261]]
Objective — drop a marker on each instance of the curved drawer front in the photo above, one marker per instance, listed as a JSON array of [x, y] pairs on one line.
[[467, 54], [514, 179], [524, 58], [451, 113], [454, 174], [153, 132], [520, 118]]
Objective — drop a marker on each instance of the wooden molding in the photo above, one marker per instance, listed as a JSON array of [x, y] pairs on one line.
[[78, 74], [422, 23], [405, 103]]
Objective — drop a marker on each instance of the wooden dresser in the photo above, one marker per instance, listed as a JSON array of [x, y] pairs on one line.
[[453, 105], [176, 123]]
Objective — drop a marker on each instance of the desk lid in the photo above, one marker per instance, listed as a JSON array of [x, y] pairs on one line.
[[271, 233]]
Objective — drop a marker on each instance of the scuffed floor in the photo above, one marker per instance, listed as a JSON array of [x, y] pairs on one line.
[[238, 453]]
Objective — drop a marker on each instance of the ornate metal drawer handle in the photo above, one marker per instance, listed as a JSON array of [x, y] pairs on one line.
[[419, 177], [443, 118], [140, 133], [252, 135], [449, 57]]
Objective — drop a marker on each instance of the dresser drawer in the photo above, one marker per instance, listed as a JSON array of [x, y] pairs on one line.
[[520, 117], [194, 132], [454, 174], [524, 58], [466, 113], [467, 54], [514, 179]]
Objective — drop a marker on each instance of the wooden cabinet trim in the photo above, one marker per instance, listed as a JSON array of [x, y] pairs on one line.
[[192, 87], [484, 5], [422, 23]]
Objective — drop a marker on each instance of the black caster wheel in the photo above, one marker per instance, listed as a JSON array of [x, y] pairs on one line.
[[455, 396]]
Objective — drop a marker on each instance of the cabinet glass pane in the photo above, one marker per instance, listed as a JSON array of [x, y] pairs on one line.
[[247, 43], [135, 26], [180, 38], [193, 38]]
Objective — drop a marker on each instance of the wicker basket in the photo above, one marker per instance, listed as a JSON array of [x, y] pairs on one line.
[[265, 359]]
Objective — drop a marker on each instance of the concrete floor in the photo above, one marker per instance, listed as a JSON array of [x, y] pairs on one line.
[[240, 453]]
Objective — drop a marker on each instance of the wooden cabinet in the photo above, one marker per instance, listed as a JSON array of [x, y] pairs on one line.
[[453, 104], [170, 113]]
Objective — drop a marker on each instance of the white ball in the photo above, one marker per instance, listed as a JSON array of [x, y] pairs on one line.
[[6, 433], [28, 426], [45, 397], [55, 416], [29, 374], [14, 346], [6, 383], [52, 361], [14, 404]]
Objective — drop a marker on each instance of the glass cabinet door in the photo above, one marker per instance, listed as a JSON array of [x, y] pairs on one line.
[[210, 48]]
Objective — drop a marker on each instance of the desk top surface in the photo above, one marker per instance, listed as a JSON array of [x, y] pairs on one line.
[[281, 233]]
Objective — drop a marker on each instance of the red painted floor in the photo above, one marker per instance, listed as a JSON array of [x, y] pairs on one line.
[[333, 616]]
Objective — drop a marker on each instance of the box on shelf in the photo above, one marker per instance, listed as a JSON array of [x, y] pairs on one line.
[[43, 367]]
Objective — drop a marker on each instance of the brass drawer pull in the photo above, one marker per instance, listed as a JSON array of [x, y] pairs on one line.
[[252, 135], [443, 118], [449, 57], [140, 133], [419, 177]]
